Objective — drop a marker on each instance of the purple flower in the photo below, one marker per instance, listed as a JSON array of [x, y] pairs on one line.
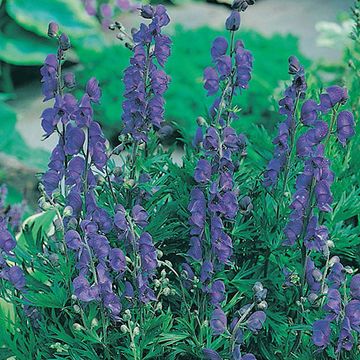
[[146, 293], [323, 196], [7, 241], [337, 95], [346, 340], [64, 42], [217, 292], [53, 29], [195, 250], [223, 66], [69, 80], [211, 139], [147, 11], [74, 140], [256, 321], [333, 304], [352, 311], [242, 5], [16, 276], [313, 276], [211, 78], [248, 357], [140, 216], [93, 90], [162, 49], [309, 112], [219, 47], [83, 290], [73, 240], [117, 260], [355, 287], [336, 276], [218, 321], [147, 253], [345, 126], [202, 172], [233, 21], [206, 272], [112, 302], [321, 333], [211, 355]]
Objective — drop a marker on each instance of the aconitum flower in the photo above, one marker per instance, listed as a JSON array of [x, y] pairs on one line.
[[202, 172], [333, 304], [256, 321], [147, 253], [218, 321], [352, 311], [355, 287], [321, 333], [233, 21], [345, 126], [242, 5], [211, 355], [145, 82], [83, 290], [217, 292], [336, 276], [211, 78], [284, 140], [346, 340]]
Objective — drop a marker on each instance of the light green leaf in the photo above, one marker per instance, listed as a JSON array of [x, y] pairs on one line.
[[20, 47], [36, 15]]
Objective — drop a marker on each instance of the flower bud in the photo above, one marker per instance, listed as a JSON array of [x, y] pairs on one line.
[[348, 269], [160, 254], [158, 307], [124, 329], [147, 11], [136, 331], [157, 283], [73, 297], [257, 287], [68, 211], [312, 298], [233, 21], [77, 308], [166, 281], [53, 29], [163, 273], [94, 322], [69, 80], [317, 274], [201, 121], [263, 305], [77, 327], [330, 244], [333, 260], [167, 291], [64, 42], [59, 226]]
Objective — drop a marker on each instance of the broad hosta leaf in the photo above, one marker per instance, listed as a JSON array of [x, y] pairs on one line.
[[35, 16], [12, 143], [20, 47]]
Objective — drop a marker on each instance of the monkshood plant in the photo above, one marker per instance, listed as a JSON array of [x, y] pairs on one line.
[[134, 257], [303, 140], [213, 207]]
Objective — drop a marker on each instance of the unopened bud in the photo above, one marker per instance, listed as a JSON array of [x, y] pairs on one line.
[[312, 298], [157, 283], [77, 309], [64, 42], [158, 306], [201, 121], [124, 329], [330, 244], [68, 211], [53, 29], [69, 80], [167, 291], [333, 260], [94, 322], [257, 287], [160, 254], [163, 273], [77, 327], [349, 269], [263, 305], [136, 331]]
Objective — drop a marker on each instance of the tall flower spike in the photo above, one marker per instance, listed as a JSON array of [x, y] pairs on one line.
[[284, 141], [145, 81]]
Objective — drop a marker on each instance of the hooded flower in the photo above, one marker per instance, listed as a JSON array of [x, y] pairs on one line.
[[321, 333], [218, 321]]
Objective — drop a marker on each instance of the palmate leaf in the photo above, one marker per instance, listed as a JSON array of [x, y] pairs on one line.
[[36, 15]]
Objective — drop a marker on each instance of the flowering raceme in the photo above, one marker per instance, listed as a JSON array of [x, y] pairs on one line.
[[214, 199]]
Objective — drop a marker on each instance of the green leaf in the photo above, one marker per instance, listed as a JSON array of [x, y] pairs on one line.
[[20, 47], [36, 15]]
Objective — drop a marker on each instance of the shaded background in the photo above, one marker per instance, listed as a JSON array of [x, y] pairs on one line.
[[315, 31]]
